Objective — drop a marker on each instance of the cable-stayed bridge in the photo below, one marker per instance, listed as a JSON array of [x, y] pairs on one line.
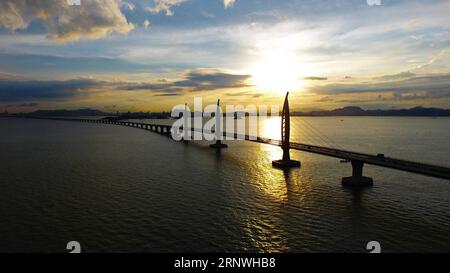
[[357, 159]]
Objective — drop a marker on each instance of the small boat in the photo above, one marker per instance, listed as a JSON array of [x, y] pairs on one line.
[[345, 161]]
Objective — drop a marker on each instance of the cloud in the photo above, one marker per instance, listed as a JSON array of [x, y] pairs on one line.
[[93, 19], [7, 76], [441, 59], [159, 89], [127, 5], [14, 89], [325, 99], [421, 96], [17, 91], [244, 94], [164, 6], [24, 105], [203, 80], [169, 93], [146, 24], [228, 3], [403, 75], [431, 85], [312, 78], [197, 80], [403, 97]]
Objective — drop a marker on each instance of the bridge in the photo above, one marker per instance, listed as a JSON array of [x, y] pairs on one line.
[[357, 159]]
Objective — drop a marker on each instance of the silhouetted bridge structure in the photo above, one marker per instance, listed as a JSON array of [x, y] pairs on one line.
[[357, 159]]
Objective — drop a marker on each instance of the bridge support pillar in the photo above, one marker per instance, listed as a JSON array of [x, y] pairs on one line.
[[357, 179], [285, 162], [218, 145], [218, 129]]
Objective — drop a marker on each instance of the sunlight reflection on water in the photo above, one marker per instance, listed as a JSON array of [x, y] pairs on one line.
[[122, 189]]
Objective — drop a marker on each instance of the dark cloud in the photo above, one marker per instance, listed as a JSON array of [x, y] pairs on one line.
[[415, 96], [167, 94], [432, 85], [399, 76], [244, 93], [159, 89], [13, 90], [193, 81], [147, 86], [312, 78], [205, 81], [24, 105]]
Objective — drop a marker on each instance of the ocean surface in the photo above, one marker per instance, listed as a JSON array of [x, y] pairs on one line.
[[121, 189]]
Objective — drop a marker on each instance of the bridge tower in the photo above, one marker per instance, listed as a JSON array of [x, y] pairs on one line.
[[186, 124], [286, 162], [218, 129]]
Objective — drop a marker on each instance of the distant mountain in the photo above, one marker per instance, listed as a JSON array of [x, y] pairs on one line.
[[358, 111], [346, 111], [92, 112], [69, 113]]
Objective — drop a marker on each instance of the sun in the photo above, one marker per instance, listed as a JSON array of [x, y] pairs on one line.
[[277, 72]]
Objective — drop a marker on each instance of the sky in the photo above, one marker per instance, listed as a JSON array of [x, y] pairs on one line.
[[150, 55]]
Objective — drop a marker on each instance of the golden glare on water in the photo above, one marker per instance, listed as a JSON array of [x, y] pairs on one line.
[[277, 72], [270, 128]]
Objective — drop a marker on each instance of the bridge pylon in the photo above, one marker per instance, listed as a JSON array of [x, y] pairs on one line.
[[286, 162], [218, 129], [186, 127]]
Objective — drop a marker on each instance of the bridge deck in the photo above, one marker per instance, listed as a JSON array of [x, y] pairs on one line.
[[392, 163]]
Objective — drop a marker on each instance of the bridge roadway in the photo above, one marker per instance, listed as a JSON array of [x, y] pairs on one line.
[[382, 161], [378, 160]]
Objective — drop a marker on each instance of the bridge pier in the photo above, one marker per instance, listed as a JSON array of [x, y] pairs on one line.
[[168, 133], [218, 145], [218, 129], [357, 179], [285, 162]]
